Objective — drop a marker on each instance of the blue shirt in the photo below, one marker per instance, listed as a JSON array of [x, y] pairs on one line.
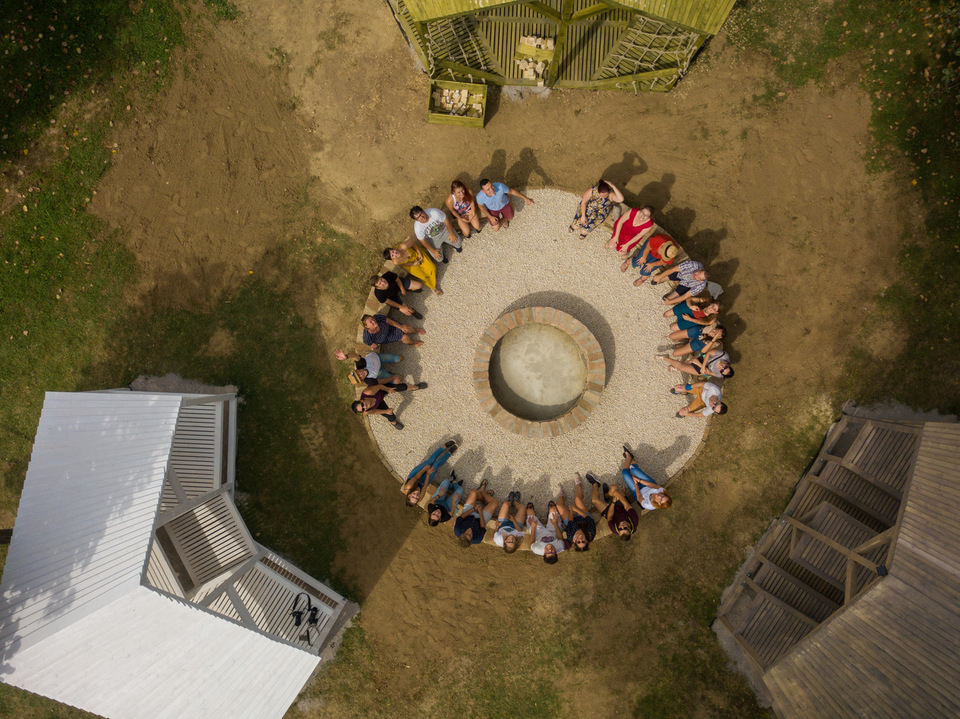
[[499, 199]]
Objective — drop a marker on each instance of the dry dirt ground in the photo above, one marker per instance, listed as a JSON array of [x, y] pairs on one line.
[[319, 105]]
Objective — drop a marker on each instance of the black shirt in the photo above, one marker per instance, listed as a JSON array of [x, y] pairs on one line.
[[391, 293]]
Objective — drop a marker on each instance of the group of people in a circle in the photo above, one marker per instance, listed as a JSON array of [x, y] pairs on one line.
[[568, 525], [695, 328]]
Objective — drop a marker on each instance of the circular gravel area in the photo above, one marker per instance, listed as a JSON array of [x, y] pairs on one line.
[[537, 262]]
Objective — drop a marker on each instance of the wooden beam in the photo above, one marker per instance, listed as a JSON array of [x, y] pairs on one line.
[[851, 574], [553, 70], [544, 10], [467, 70], [833, 544], [782, 604], [589, 12], [875, 542], [848, 465], [613, 82]]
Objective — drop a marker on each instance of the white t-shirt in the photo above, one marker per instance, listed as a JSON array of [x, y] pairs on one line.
[[434, 230], [645, 494], [544, 535], [709, 390], [373, 364], [502, 534]]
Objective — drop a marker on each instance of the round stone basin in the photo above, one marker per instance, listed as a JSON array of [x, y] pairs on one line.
[[537, 372]]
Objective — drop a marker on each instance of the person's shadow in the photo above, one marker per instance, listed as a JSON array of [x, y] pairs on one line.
[[518, 176], [496, 170], [621, 173], [656, 194]]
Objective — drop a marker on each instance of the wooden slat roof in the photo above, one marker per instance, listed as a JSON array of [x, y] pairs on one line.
[[893, 652], [705, 16]]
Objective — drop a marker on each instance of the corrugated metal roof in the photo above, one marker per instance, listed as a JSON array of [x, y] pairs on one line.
[[75, 623], [87, 509], [705, 16], [148, 655]]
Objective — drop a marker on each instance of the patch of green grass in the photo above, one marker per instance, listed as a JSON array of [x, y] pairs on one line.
[[60, 284], [52, 51], [290, 403], [224, 9], [908, 62]]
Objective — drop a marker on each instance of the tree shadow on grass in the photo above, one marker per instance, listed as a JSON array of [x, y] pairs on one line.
[[298, 443]]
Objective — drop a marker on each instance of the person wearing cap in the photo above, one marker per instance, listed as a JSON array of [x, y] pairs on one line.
[[372, 363], [690, 277], [494, 202], [470, 526], [658, 251], [418, 481], [511, 531], [706, 399]]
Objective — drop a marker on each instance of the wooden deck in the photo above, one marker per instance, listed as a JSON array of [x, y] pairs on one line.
[[831, 543]]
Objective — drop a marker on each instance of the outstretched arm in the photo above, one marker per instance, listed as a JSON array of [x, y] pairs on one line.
[[523, 197]]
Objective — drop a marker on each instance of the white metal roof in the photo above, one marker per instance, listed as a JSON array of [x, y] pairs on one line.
[[75, 624]]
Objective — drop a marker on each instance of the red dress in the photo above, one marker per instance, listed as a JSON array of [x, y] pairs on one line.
[[629, 231]]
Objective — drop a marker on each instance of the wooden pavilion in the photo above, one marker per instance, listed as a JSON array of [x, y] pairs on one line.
[[598, 44], [848, 605]]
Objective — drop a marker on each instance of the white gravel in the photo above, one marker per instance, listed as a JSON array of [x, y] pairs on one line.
[[537, 262]]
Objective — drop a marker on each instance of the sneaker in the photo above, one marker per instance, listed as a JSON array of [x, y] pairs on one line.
[[398, 424], [459, 249], [417, 315], [421, 385], [591, 479], [450, 446], [606, 489]]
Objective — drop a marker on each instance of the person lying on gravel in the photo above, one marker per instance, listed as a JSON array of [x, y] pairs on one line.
[[381, 330], [615, 508], [579, 529], [494, 202], [432, 227], [645, 492], [701, 317], [389, 289], [411, 257], [715, 363], [372, 362], [691, 279], [372, 400], [659, 251], [444, 501], [423, 474], [471, 524], [548, 539], [512, 523], [706, 399], [707, 337], [693, 306]]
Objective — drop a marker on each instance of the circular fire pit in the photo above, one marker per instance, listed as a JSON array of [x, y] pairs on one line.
[[538, 372]]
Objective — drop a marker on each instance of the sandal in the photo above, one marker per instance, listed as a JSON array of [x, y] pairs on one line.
[[591, 479], [450, 445], [627, 453]]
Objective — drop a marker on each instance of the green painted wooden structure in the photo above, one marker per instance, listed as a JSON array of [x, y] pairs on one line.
[[599, 44]]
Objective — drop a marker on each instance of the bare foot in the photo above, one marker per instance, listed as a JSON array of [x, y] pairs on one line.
[[438, 292]]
